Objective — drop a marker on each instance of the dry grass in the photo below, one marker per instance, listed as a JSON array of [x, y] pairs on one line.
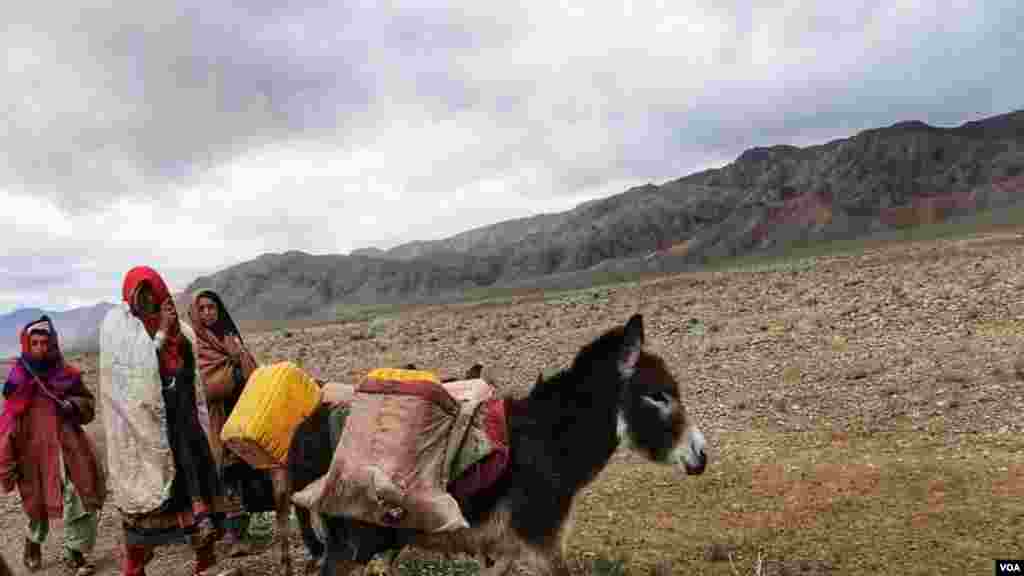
[[847, 504]]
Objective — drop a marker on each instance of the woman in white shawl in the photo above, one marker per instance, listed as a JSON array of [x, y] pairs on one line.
[[164, 478]]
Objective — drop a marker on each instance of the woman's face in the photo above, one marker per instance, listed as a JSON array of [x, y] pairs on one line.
[[208, 312], [144, 300], [38, 345]]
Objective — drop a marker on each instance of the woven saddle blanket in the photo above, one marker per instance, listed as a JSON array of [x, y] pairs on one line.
[[407, 447]]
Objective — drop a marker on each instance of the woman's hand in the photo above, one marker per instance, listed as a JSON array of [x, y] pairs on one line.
[[233, 349], [9, 482], [168, 315]]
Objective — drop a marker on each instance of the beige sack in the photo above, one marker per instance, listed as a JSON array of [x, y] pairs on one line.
[[391, 466]]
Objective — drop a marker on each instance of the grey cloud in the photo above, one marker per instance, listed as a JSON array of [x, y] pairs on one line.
[[129, 99], [30, 273], [861, 70]]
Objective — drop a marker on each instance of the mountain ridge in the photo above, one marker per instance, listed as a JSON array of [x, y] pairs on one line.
[[904, 174]]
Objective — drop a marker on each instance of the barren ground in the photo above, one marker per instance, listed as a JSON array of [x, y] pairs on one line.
[[864, 411]]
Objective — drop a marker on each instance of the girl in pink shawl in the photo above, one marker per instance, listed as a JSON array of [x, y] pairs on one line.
[[44, 451]]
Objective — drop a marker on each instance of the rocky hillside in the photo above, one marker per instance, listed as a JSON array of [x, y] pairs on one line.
[[881, 179]]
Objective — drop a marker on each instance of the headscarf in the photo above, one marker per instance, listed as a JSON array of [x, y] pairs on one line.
[[225, 325], [218, 346], [53, 356], [170, 353]]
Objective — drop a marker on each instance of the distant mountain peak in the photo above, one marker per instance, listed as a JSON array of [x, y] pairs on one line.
[[765, 153], [912, 125], [371, 252]]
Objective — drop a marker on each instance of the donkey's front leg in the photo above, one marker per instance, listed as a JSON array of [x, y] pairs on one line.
[[282, 511], [500, 567], [559, 566], [548, 561]]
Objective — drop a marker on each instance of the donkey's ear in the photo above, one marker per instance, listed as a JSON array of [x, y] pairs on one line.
[[635, 330], [632, 343]]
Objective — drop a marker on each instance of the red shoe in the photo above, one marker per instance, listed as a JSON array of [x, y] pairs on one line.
[[206, 559], [135, 560]]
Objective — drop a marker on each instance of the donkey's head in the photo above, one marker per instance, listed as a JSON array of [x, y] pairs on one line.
[[652, 418]]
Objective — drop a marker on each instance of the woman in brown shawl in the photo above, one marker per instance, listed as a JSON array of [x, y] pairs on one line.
[[225, 364], [45, 451]]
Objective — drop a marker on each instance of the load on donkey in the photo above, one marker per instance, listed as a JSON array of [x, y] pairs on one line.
[[394, 410], [403, 443], [376, 483]]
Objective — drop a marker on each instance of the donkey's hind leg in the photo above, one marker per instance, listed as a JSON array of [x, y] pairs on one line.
[[309, 537], [334, 565], [341, 555], [282, 511], [396, 562]]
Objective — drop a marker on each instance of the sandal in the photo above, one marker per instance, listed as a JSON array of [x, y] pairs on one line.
[[33, 558], [206, 532], [79, 565]]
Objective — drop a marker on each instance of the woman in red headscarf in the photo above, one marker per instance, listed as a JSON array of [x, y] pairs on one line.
[[164, 476], [44, 450]]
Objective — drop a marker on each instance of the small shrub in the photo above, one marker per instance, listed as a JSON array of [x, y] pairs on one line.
[[718, 552], [663, 568], [603, 566], [695, 327], [376, 326], [839, 343], [791, 375]]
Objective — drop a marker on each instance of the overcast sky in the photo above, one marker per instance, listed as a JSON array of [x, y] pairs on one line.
[[193, 135]]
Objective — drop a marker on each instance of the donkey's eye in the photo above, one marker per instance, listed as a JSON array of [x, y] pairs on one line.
[[662, 398], [661, 402]]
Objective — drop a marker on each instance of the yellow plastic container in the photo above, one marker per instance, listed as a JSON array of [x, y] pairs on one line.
[[402, 375], [276, 399]]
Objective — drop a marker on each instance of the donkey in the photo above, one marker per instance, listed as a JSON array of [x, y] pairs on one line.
[[562, 435], [309, 457]]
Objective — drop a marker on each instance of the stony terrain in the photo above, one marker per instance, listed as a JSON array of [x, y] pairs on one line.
[[847, 398]]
